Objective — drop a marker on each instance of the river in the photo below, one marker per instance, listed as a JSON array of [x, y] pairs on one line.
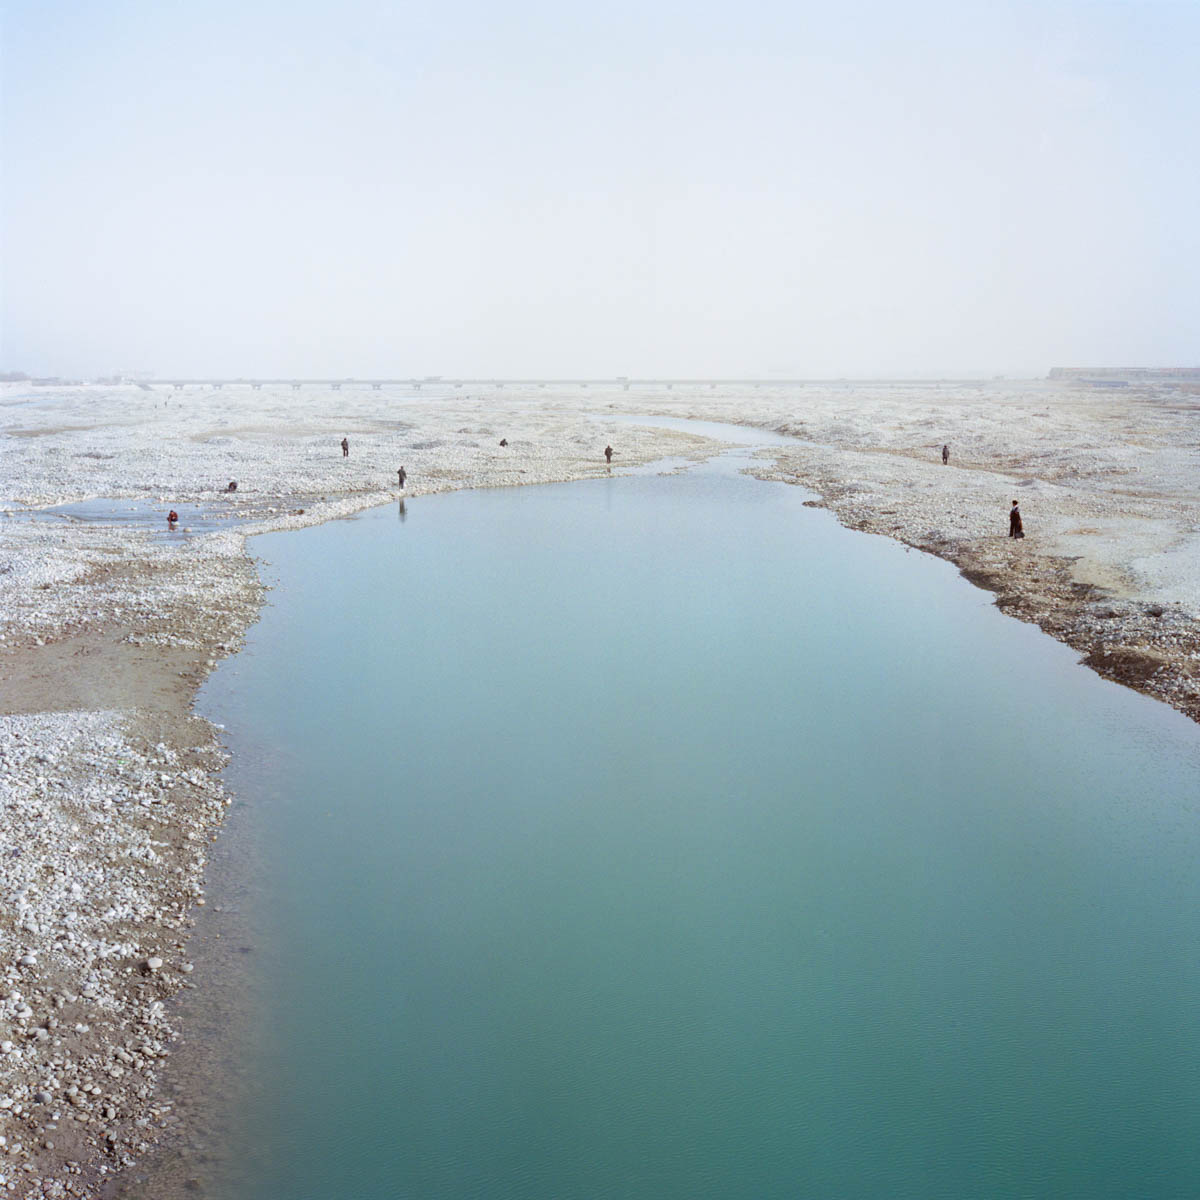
[[657, 837]]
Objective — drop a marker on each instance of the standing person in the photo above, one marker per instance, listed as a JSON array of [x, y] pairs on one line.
[[402, 475], [345, 447], [945, 454], [608, 453], [1015, 528]]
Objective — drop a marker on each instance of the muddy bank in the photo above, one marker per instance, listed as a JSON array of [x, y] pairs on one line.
[[1150, 647]]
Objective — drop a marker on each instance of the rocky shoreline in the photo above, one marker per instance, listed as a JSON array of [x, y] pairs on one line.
[[110, 788], [1111, 563]]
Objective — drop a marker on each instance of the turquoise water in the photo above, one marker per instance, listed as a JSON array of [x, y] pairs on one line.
[[655, 837]]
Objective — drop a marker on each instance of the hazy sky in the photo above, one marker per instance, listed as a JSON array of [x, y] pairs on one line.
[[455, 187]]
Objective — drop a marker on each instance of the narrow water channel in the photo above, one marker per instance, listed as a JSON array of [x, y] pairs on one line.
[[656, 837]]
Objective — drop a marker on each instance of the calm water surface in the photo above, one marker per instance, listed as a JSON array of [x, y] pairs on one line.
[[656, 837]]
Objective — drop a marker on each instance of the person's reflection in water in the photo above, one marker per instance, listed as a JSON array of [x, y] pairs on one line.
[[402, 512]]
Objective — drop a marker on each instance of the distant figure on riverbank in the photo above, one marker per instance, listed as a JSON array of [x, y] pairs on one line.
[[402, 475], [945, 454], [1015, 528], [172, 517], [504, 441], [232, 486], [608, 453], [345, 447]]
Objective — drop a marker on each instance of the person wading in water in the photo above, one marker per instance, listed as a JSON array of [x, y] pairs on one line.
[[1015, 528]]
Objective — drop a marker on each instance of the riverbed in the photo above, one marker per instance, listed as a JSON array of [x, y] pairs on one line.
[[107, 630], [658, 837]]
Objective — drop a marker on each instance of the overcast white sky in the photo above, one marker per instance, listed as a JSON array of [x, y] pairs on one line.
[[535, 188]]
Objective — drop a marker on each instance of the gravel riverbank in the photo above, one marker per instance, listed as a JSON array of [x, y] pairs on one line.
[[110, 788]]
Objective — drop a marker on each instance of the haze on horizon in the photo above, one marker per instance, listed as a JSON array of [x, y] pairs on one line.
[[645, 189]]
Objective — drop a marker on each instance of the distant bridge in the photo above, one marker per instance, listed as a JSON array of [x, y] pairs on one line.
[[620, 381]]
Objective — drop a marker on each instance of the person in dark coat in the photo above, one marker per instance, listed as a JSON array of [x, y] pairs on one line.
[[345, 447], [945, 454], [1015, 528], [402, 475], [608, 453]]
